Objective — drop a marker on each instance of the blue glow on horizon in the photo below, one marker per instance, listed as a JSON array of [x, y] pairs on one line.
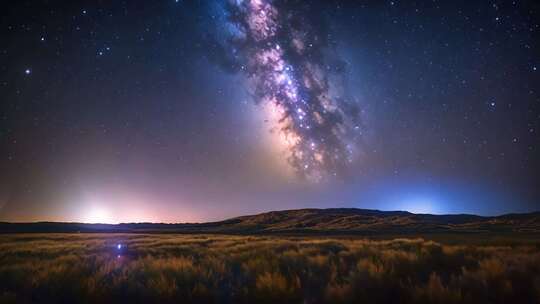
[[437, 197]]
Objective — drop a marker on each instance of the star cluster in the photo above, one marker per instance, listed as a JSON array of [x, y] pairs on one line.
[[290, 66]]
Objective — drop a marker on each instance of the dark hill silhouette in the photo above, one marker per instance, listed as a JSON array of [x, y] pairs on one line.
[[318, 221]]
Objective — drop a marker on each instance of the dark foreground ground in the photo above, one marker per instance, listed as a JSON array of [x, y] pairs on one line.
[[169, 268]]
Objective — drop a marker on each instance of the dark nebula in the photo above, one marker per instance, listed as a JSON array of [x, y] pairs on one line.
[[293, 69]]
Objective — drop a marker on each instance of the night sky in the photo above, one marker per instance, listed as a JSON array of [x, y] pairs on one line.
[[181, 111]]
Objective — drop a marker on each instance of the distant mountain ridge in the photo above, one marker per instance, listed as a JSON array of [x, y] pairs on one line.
[[314, 221]]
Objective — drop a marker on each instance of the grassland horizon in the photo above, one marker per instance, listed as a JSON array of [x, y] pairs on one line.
[[330, 221]]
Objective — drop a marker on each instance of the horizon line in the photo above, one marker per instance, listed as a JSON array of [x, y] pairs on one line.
[[264, 212]]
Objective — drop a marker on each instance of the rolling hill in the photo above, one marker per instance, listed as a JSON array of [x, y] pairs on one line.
[[314, 221]]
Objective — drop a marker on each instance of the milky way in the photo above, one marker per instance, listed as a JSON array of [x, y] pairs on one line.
[[284, 50]]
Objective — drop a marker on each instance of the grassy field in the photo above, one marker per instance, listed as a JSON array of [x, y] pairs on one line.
[[166, 268]]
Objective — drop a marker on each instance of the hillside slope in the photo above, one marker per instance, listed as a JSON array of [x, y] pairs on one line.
[[338, 220]]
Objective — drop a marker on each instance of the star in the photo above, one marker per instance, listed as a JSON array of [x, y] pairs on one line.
[[27, 71], [286, 78]]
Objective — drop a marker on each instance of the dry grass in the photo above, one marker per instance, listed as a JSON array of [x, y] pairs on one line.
[[88, 268]]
